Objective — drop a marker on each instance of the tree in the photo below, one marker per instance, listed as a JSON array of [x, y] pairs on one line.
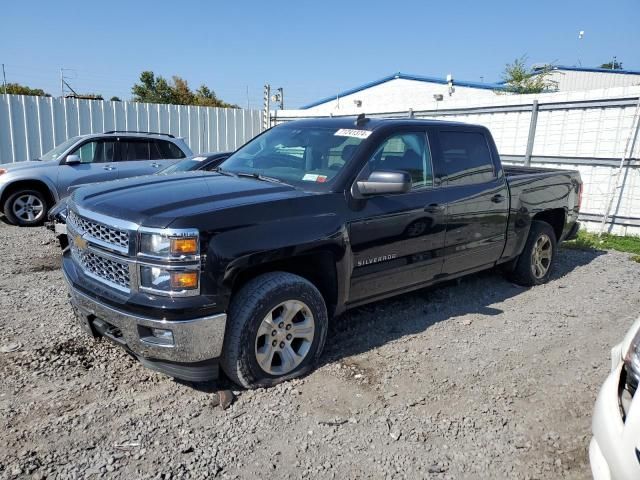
[[152, 89], [115, 99], [613, 65], [17, 89], [519, 79]]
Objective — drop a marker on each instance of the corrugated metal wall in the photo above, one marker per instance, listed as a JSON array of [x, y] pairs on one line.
[[30, 126]]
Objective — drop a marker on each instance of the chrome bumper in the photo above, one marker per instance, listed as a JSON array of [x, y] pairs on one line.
[[193, 340]]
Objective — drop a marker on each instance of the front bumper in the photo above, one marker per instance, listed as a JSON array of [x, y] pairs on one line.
[[190, 355], [613, 450]]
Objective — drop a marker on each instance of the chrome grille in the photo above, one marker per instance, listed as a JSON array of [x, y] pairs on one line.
[[104, 269], [108, 235]]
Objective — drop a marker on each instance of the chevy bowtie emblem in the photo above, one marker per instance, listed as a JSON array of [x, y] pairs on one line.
[[80, 242]]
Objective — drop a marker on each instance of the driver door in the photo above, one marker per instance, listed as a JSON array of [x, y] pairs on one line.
[[397, 240], [96, 165]]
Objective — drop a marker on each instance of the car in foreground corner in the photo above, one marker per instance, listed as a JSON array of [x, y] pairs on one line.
[[614, 452]]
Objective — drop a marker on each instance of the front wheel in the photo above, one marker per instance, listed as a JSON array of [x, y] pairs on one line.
[[536, 260], [276, 330], [26, 208]]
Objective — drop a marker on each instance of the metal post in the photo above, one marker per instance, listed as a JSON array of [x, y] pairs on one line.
[[4, 79], [61, 84], [267, 106], [532, 133], [281, 97]]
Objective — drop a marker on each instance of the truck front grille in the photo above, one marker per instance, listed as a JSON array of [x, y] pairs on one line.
[[103, 233], [101, 268]]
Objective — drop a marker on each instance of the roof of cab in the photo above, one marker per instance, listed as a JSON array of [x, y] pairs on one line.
[[370, 124]]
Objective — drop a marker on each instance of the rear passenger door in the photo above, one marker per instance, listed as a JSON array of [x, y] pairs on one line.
[[477, 198]]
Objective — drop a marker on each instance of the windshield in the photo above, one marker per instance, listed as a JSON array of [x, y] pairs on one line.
[[297, 155], [54, 153], [186, 165]]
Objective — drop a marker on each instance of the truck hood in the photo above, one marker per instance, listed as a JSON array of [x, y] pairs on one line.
[[157, 200]]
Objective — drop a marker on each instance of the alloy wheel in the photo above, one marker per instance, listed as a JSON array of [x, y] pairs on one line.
[[284, 337], [541, 256]]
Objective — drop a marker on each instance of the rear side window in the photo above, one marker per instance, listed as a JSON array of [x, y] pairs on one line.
[[465, 158], [168, 150], [132, 150]]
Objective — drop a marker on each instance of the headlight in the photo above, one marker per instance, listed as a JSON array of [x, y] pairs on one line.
[[163, 280], [632, 361], [169, 245]]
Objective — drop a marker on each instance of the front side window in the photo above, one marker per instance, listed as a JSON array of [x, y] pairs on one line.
[[465, 158], [97, 151], [407, 152], [298, 155]]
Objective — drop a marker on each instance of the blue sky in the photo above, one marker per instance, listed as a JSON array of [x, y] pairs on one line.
[[311, 49]]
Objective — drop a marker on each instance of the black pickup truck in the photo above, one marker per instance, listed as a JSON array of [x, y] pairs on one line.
[[241, 268]]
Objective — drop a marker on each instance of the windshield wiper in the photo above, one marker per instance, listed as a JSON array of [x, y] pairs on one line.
[[260, 177], [223, 172]]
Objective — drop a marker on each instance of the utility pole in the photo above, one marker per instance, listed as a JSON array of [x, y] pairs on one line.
[[279, 98], [4, 79], [61, 83], [267, 106]]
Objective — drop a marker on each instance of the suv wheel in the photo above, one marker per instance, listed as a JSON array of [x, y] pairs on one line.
[[276, 330], [536, 260], [26, 208]]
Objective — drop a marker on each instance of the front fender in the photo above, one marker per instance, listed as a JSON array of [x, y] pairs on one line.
[[232, 252], [10, 179]]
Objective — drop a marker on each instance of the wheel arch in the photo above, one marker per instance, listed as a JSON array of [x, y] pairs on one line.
[[318, 267], [556, 217], [39, 185]]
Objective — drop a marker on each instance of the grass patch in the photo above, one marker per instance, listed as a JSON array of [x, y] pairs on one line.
[[586, 240]]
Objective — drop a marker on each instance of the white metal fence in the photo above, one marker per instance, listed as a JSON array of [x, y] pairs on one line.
[[30, 126], [586, 131]]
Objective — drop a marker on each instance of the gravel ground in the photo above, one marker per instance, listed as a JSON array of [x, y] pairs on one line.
[[480, 379]]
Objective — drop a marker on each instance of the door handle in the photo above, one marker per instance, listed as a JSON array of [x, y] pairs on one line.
[[155, 165], [434, 208], [109, 167], [497, 198]]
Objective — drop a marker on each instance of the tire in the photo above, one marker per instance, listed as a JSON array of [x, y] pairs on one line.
[[535, 263], [26, 208], [249, 337]]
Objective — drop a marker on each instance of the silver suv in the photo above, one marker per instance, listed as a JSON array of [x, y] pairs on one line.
[[29, 189]]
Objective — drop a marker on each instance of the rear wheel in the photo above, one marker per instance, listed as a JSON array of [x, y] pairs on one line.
[[26, 208], [535, 263], [276, 330]]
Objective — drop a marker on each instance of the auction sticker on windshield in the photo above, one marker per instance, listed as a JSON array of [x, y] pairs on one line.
[[312, 177], [352, 132]]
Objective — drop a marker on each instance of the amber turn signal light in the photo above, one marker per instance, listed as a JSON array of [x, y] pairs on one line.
[[184, 280], [184, 246]]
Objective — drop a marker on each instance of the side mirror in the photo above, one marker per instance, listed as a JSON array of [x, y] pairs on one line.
[[382, 182], [72, 159]]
